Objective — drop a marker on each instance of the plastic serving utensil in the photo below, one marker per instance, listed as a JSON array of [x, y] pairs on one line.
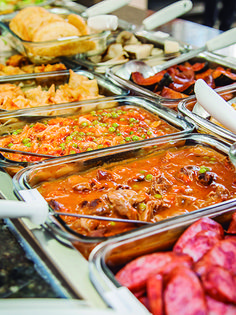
[[166, 14], [104, 7], [108, 22], [36, 210], [215, 105], [223, 40]]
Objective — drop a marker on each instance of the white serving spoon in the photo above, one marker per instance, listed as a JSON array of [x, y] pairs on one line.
[[215, 105], [167, 14], [104, 7], [100, 21]]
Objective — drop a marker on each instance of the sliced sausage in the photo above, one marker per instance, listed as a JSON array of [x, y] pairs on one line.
[[219, 308], [220, 284], [203, 224], [222, 254], [135, 274], [199, 244], [155, 294], [232, 226], [183, 294]]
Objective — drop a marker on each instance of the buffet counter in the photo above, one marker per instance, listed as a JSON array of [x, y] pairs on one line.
[[36, 264]]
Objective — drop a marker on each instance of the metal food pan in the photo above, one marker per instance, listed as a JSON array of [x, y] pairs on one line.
[[109, 257], [11, 122], [203, 120], [26, 66], [117, 74], [35, 175], [47, 51], [46, 80], [143, 38]]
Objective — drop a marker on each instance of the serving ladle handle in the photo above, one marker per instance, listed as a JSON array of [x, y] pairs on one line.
[[38, 212]]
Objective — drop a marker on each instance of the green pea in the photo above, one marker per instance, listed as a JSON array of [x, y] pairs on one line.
[[158, 196], [62, 145], [84, 124], [25, 141], [112, 129], [149, 177], [135, 138], [127, 139], [142, 206]]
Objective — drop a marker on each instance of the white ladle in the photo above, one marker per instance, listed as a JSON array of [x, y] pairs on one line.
[[215, 105], [99, 21], [36, 209]]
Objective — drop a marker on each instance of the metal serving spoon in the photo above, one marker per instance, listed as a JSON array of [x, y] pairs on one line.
[[36, 209], [223, 40]]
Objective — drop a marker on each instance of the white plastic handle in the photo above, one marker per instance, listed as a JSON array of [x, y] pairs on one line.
[[103, 22], [215, 105], [105, 6], [167, 14], [12, 209], [223, 40]]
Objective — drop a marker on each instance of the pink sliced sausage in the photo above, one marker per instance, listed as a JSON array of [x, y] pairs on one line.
[[219, 308], [222, 254], [135, 274], [183, 294], [220, 284], [232, 226], [199, 244], [203, 224], [155, 294]]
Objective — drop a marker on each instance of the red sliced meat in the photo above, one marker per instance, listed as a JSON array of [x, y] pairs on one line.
[[199, 244], [220, 284], [135, 274], [222, 254], [155, 294], [219, 308], [203, 224], [183, 294], [232, 226], [170, 93]]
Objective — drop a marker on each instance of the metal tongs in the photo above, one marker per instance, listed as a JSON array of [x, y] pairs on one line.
[[36, 209]]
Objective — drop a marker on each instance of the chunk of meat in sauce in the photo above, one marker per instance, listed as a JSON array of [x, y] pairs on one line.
[[123, 202], [206, 178], [160, 184], [220, 193], [148, 213]]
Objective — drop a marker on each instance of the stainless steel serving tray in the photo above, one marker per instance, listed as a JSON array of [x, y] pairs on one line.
[[212, 59], [202, 119], [5, 55], [144, 37], [34, 175], [107, 258], [46, 79], [16, 120]]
